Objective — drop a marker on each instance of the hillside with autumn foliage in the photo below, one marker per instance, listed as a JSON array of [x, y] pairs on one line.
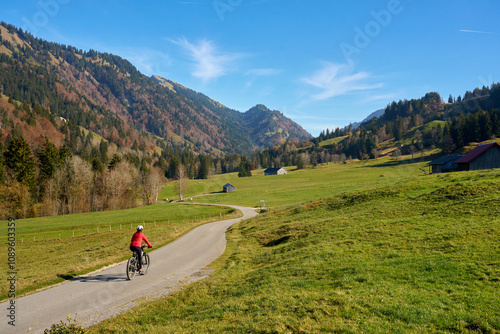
[[86, 131], [107, 95]]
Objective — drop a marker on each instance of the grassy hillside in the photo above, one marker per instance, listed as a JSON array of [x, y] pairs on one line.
[[417, 254], [301, 185]]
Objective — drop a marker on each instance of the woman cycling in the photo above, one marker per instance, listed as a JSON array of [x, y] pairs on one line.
[[136, 243]]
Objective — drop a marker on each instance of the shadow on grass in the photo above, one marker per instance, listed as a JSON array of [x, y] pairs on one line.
[[277, 242], [394, 163]]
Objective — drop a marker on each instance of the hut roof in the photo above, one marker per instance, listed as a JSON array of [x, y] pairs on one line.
[[472, 155]]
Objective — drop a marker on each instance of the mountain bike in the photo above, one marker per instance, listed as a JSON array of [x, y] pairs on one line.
[[132, 264]]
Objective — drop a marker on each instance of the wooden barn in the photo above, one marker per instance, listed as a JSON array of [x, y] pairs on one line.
[[275, 171], [484, 156], [443, 164], [228, 188]]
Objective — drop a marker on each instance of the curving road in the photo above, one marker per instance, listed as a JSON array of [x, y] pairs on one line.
[[105, 293]]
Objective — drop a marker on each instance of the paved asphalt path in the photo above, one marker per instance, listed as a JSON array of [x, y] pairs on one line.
[[105, 293]]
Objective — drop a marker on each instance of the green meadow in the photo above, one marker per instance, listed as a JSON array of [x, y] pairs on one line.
[[300, 186], [372, 246], [402, 253], [50, 250]]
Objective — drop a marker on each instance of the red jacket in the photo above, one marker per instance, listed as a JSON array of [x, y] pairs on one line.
[[137, 240]]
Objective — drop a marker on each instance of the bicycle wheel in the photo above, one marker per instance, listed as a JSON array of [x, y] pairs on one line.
[[131, 268], [145, 263]]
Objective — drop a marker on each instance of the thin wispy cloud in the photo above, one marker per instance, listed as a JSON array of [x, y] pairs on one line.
[[336, 80], [388, 97], [263, 72], [480, 32], [210, 63], [256, 73], [148, 61]]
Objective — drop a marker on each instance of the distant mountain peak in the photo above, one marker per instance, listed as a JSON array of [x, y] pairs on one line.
[[376, 113], [106, 94]]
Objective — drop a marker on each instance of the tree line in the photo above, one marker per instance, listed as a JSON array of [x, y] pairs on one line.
[[52, 181]]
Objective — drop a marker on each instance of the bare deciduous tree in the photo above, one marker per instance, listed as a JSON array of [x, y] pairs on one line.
[[151, 185], [181, 186], [82, 185]]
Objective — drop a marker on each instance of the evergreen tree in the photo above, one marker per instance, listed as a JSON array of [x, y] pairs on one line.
[[50, 160], [398, 129], [97, 165], [20, 161], [115, 161], [495, 122], [64, 153], [173, 167], [204, 169], [300, 162], [244, 170], [484, 125], [103, 149]]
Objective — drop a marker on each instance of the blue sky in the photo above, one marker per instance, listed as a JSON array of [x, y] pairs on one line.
[[323, 63]]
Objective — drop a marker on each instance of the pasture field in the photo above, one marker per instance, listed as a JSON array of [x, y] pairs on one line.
[[413, 254], [300, 186], [47, 252]]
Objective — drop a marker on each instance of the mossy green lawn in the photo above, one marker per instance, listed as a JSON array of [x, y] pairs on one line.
[[419, 255]]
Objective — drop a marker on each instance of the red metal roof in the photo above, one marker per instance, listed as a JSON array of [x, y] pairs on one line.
[[472, 155]]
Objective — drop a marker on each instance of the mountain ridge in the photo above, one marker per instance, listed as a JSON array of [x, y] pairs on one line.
[[106, 94], [278, 127]]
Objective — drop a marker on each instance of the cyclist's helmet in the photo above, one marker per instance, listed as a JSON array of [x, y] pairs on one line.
[[140, 228]]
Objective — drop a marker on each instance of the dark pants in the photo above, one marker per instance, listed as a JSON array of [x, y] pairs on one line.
[[137, 250]]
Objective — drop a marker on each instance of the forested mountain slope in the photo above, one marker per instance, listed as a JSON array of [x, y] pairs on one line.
[[86, 131], [406, 127], [108, 95]]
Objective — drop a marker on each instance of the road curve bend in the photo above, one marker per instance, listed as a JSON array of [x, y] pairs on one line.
[[100, 295]]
